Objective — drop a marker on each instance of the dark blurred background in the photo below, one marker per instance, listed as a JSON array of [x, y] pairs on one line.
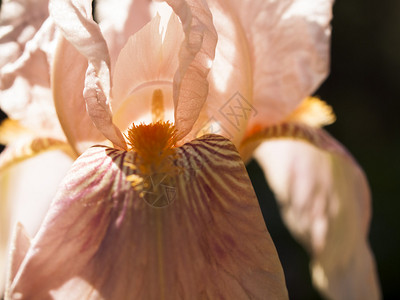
[[363, 89]]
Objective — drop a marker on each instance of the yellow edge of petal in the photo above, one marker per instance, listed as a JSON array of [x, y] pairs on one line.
[[313, 112], [30, 148], [10, 130], [297, 131]]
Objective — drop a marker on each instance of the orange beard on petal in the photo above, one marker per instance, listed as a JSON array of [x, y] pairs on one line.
[[155, 166], [153, 143]]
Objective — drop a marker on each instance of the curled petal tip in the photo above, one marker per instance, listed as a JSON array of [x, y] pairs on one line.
[[196, 53], [98, 108]]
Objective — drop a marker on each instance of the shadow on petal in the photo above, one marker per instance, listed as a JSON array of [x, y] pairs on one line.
[[103, 239], [326, 203]]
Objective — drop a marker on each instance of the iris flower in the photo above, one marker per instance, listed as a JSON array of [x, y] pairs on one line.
[[162, 207]]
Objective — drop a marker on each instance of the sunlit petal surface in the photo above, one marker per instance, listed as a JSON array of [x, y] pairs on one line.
[[26, 190], [326, 203], [20, 243], [195, 60], [19, 23], [104, 239], [74, 18], [231, 73], [287, 43], [27, 42], [68, 77], [147, 62], [119, 22]]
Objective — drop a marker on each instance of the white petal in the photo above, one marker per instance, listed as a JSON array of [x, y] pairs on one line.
[[27, 189], [19, 22], [325, 202], [27, 43]]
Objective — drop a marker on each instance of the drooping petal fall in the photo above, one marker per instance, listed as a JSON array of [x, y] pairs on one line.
[[104, 239], [326, 203]]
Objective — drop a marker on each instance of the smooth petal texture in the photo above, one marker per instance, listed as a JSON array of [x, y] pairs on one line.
[[68, 76], [20, 244], [119, 22], [325, 202], [101, 240], [74, 18], [147, 62], [27, 41], [26, 190], [288, 46], [195, 59], [23, 145]]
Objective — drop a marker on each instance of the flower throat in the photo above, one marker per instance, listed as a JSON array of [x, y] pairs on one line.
[[154, 143]]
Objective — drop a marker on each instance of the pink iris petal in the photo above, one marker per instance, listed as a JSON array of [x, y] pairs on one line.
[[21, 243], [75, 20], [326, 203], [27, 41], [26, 191], [147, 62], [19, 23], [195, 60], [230, 75], [119, 22], [270, 55], [274, 53], [68, 75], [291, 42], [102, 240]]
